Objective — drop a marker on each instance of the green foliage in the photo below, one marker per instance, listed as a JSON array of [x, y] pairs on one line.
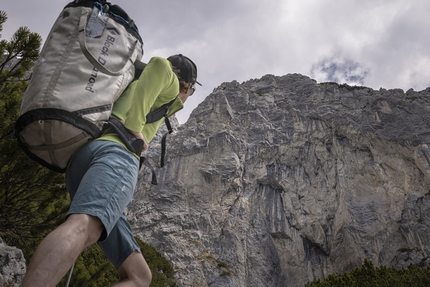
[[161, 268], [19, 54], [369, 276], [3, 18], [32, 199], [92, 269]]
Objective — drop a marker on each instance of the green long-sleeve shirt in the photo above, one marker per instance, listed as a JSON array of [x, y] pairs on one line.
[[156, 86]]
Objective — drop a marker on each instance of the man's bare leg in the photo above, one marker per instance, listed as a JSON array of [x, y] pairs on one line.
[[134, 272], [59, 250]]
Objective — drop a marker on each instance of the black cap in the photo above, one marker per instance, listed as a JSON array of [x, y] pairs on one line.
[[187, 68]]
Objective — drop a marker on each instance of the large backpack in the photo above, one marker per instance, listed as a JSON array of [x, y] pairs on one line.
[[86, 63]]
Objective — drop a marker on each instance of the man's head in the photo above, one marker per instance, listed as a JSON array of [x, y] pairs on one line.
[[186, 71]]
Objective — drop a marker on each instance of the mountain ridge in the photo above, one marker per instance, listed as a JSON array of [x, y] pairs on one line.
[[280, 180]]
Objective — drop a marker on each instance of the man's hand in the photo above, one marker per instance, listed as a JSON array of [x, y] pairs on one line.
[[140, 136]]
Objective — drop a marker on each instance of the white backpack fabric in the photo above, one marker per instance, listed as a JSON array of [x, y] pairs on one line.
[[86, 63]]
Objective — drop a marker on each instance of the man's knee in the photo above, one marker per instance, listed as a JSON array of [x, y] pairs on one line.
[[85, 226], [136, 269]]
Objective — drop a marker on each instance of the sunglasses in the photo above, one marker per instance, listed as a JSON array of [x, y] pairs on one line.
[[192, 90]]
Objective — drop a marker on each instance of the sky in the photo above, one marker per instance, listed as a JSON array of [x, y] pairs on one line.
[[373, 43]]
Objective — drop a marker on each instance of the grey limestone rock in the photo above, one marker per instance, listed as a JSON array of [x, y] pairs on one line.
[[12, 265], [280, 180]]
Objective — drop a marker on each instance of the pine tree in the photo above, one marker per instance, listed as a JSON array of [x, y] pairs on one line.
[[32, 198]]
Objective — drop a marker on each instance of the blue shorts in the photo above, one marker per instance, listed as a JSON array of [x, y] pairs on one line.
[[101, 180]]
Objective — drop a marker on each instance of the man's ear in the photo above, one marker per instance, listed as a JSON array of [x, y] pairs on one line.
[[187, 89]]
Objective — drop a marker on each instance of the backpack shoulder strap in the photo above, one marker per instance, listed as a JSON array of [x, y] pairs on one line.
[[138, 69], [159, 113]]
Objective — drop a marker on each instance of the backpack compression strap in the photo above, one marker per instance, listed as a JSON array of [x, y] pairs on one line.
[[163, 141], [144, 161], [157, 115]]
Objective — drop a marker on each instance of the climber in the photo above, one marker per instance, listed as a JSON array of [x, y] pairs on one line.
[[101, 179]]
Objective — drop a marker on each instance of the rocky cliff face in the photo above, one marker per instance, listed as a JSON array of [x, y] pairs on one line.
[[280, 181]]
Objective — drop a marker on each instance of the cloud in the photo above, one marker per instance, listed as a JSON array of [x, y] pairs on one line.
[[376, 43], [339, 70], [389, 40], [400, 55]]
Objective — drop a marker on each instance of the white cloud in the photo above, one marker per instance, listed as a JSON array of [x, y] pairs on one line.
[[243, 39]]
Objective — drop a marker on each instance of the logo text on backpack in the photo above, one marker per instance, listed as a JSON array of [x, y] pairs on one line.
[[103, 54], [105, 49], [92, 80], [113, 30]]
